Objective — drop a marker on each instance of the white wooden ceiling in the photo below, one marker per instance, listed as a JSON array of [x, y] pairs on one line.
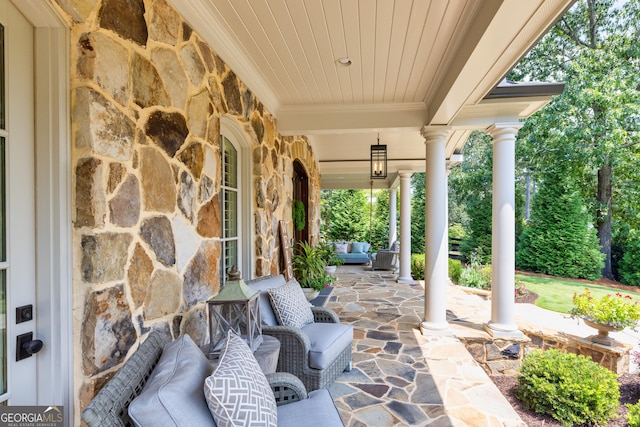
[[413, 63]]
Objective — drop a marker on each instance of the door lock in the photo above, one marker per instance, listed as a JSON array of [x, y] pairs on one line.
[[24, 313], [26, 346]]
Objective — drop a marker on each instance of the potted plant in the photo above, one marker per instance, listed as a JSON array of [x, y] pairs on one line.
[[607, 313], [330, 257], [308, 268]]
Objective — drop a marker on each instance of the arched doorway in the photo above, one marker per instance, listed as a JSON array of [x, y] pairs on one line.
[[301, 194]]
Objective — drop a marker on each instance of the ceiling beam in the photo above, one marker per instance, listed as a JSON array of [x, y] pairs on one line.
[[327, 119]]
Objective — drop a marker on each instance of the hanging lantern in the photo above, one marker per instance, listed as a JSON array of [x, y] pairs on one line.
[[235, 307], [378, 160]]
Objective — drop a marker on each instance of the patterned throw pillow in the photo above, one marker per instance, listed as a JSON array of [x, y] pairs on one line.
[[237, 392], [290, 305], [341, 248]]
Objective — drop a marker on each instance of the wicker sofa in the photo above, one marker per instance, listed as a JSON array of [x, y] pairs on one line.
[[187, 405], [316, 353]]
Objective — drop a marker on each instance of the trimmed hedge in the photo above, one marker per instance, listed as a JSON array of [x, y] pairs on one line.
[[571, 388], [417, 266]]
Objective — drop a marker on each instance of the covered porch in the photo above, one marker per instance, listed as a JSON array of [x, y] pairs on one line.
[[418, 78]]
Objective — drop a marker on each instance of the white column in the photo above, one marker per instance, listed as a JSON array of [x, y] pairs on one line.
[[436, 245], [393, 215], [405, 228], [502, 322]]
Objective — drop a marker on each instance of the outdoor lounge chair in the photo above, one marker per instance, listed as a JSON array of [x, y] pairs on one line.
[[386, 259], [315, 353]]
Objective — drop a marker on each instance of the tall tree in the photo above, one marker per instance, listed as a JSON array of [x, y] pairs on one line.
[[593, 126], [470, 185], [559, 240], [347, 212], [418, 205]]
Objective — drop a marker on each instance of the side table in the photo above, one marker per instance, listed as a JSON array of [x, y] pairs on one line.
[[267, 354]]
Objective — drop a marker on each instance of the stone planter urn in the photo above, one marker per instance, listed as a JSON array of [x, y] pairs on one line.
[[330, 269], [603, 332], [310, 293]]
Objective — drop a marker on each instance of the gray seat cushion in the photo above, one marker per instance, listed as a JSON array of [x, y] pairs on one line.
[[312, 412], [174, 394], [328, 340], [263, 285]]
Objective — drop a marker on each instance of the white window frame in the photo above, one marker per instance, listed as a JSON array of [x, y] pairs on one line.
[[234, 132]]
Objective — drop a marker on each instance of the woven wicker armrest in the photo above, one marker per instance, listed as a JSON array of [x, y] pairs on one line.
[[291, 339], [287, 388], [324, 315], [110, 406]]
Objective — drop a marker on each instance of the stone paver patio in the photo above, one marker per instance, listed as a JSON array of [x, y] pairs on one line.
[[399, 376]]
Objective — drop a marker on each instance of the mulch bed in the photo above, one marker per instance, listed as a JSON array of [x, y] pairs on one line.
[[629, 383]]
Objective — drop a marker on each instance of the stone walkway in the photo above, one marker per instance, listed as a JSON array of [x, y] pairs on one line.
[[399, 376]]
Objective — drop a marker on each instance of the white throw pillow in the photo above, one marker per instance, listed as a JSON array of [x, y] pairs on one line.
[[341, 248], [290, 305], [237, 392]]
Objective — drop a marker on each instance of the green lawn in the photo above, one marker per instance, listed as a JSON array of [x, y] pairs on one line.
[[556, 294]]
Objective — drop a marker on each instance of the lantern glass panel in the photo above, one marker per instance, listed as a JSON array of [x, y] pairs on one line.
[[378, 161], [241, 316]]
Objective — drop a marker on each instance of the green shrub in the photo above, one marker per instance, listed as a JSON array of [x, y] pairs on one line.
[[472, 278], [571, 388], [455, 270], [486, 273], [417, 266], [476, 275], [629, 265], [633, 414], [456, 231]]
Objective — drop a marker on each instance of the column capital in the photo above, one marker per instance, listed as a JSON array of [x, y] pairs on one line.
[[435, 132], [507, 128], [405, 174]]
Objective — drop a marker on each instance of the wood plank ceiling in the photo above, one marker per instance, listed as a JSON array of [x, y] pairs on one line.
[[413, 63]]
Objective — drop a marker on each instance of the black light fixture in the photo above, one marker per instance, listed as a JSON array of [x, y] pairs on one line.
[[378, 159]]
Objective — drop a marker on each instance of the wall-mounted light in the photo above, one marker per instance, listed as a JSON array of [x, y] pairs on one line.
[[378, 160]]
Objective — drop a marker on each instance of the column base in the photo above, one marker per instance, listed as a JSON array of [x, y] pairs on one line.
[[433, 328], [501, 330], [405, 280]]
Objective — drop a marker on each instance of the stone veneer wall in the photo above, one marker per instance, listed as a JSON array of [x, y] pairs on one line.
[[147, 97], [497, 356]]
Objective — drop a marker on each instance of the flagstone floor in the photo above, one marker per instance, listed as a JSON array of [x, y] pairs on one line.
[[403, 378], [399, 376]]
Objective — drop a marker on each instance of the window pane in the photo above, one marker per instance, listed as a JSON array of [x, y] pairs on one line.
[[3, 216], [230, 214], [3, 333], [231, 254], [2, 104], [230, 165]]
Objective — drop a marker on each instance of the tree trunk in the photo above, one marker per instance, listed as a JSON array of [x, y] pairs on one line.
[[604, 217]]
